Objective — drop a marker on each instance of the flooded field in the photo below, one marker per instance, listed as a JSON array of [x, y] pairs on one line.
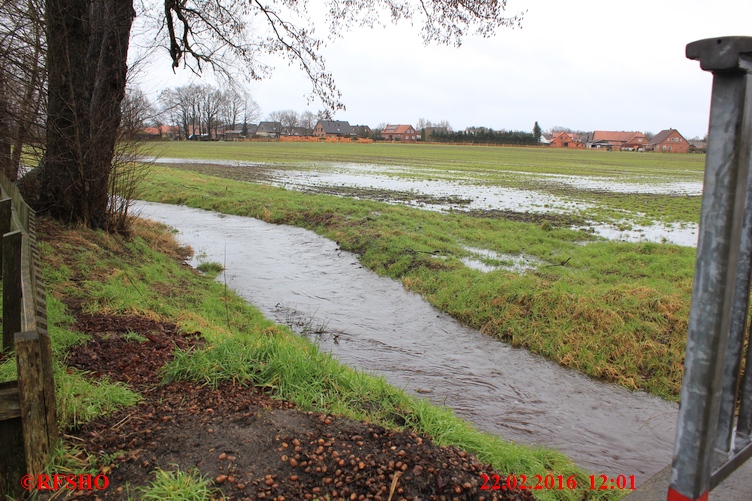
[[442, 190]]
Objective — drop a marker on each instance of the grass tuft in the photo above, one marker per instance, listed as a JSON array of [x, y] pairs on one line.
[[177, 486]]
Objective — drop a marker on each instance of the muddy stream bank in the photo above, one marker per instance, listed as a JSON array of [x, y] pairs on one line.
[[297, 277]]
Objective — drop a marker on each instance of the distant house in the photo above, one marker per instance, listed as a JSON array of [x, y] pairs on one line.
[[268, 129], [150, 133], [400, 132], [668, 141], [362, 131], [545, 138], [298, 132], [698, 146], [616, 141], [251, 130], [567, 140], [233, 133], [161, 132], [332, 128]]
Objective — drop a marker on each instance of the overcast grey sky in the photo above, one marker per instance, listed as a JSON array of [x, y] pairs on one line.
[[583, 64]]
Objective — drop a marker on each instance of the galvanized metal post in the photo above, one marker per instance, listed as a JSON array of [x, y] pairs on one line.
[[717, 270]]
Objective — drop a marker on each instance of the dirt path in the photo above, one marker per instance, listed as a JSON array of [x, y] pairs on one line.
[[253, 446]]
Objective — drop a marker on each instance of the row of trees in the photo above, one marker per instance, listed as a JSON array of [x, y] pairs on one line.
[[484, 135], [202, 109]]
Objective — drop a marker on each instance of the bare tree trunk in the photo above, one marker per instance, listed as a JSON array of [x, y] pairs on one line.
[[108, 55], [64, 187], [86, 65]]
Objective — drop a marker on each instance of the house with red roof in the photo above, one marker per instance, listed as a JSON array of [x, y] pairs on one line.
[[401, 132], [616, 141], [567, 140]]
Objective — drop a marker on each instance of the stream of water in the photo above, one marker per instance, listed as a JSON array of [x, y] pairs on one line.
[[297, 277]]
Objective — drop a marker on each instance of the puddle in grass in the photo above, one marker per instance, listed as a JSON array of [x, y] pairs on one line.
[[486, 260], [372, 323], [375, 182]]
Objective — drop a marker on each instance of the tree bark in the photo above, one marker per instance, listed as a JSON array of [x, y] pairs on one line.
[[86, 67]]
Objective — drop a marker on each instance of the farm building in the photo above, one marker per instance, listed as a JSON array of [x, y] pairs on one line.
[[333, 128], [616, 141], [268, 129], [669, 141], [400, 132], [567, 140]]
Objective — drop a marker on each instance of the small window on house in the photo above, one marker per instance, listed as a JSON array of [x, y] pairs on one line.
[[664, 147]]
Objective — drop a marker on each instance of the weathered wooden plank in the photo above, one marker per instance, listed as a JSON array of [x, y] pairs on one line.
[[10, 404], [48, 380], [28, 317], [12, 295], [6, 213], [12, 460], [31, 386]]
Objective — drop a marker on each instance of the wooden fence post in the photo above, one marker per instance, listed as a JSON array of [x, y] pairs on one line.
[[12, 459], [12, 295], [6, 213], [33, 389]]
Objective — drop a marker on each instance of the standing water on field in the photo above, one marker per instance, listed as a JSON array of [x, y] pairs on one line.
[[297, 277], [455, 191]]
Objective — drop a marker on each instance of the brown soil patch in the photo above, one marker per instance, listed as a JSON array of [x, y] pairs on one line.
[[556, 220], [251, 445]]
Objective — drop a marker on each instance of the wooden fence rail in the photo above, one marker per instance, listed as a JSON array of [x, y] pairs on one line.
[[28, 415]]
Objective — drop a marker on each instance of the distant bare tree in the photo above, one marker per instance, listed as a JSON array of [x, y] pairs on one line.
[[131, 160], [251, 113], [308, 120], [423, 123], [289, 119], [445, 124], [137, 112], [232, 108], [276, 117], [22, 81]]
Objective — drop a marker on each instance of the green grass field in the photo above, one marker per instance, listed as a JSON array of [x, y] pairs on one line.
[[615, 311], [478, 160]]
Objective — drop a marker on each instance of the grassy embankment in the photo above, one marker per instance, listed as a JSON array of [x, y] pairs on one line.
[[615, 311], [143, 276], [529, 168]]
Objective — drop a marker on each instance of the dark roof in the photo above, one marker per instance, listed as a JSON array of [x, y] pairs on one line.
[[299, 131], [268, 127], [335, 126], [661, 136]]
